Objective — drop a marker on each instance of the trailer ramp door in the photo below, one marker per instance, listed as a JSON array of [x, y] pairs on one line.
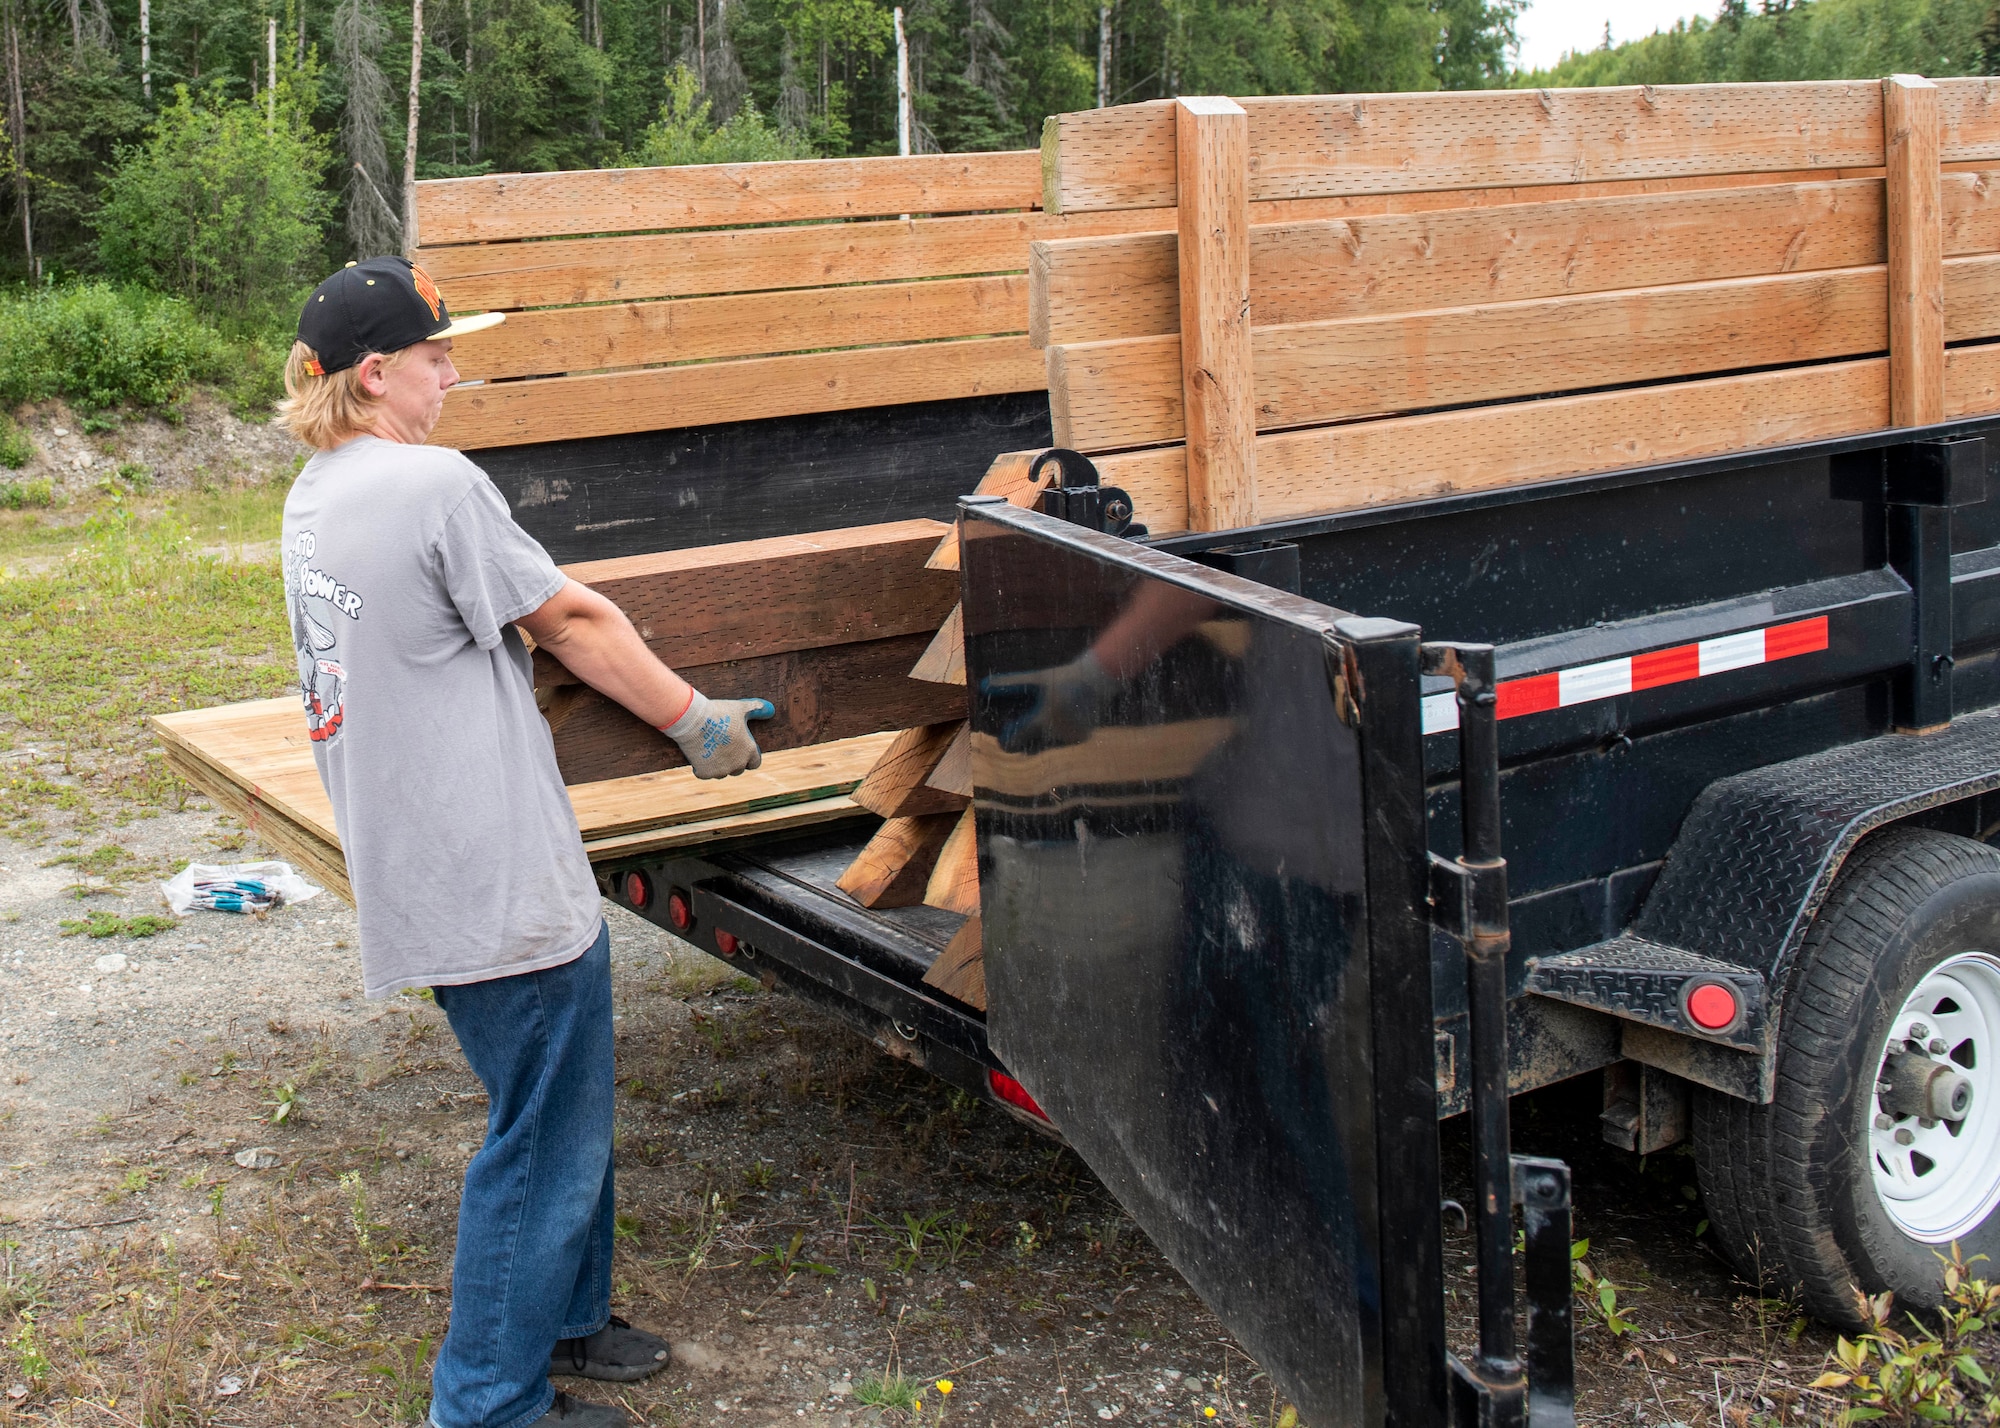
[[1201, 861]]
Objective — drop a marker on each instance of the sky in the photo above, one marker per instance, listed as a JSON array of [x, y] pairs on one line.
[[1549, 27]]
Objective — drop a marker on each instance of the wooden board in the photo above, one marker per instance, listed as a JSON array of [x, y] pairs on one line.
[[960, 970], [899, 784], [746, 599], [565, 408], [1326, 145], [953, 773], [255, 759], [1008, 478], [943, 659], [954, 882], [1117, 394], [1968, 120], [821, 695], [895, 867], [477, 276], [1218, 404], [1916, 257], [486, 209], [634, 334]]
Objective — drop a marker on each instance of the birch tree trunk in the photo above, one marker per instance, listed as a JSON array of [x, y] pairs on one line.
[[410, 143]]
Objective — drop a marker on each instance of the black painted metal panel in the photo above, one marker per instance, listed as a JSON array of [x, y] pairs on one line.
[[1181, 897], [606, 496]]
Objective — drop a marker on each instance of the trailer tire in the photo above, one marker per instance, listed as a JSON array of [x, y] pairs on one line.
[[1910, 931]]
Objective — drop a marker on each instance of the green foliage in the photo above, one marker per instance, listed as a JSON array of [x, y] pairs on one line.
[[889, 1390], [1931, 1374], [221, 206], [1810, 39], [99, 923], [15, 449], [1599, 1294], [99, 346], [539, 86], [686, 134]]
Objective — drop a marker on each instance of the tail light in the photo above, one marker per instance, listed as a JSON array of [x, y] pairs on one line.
[[1014, 1093], [638, 890], [725, 942], [680, 913], [1712, 1006]]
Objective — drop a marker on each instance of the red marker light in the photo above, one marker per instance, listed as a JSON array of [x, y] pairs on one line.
[[725, 942], [638, 890], [1014, 1093], [1712, 1006], [679, 913]]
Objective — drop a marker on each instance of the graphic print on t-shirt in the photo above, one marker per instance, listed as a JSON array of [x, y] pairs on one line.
[[310, 591]]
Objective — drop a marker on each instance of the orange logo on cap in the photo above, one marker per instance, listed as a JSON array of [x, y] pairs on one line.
[[427, 290]]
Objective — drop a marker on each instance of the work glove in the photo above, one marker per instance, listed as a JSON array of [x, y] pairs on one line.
[[1056, 706], [715, 734]]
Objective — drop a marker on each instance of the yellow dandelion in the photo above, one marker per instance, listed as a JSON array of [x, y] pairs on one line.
[[1208, 1412], [944, 1385]]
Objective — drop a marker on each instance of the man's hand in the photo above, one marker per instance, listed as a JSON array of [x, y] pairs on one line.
[[1052, 706], [715, 734]]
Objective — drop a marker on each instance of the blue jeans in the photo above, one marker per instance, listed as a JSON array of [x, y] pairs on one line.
[[533, 1263]]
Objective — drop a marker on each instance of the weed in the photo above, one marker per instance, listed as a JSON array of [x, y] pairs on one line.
[[889, 1390], [910, 1240], [15, 448], [286, 1098], [759, 1175], [99, 923], [28, 1354], [405, 1372], [625, 1227], [1930, 1374], [1599, 1294], [20, 495], [136, 477], [357, 1214], [1026, 1241], [135, 1182], [787, 1262]]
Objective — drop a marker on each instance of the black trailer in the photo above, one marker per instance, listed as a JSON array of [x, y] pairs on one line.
[[1735, 724]]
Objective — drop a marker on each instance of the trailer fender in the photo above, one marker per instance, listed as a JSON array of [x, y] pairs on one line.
[[1751, 866]]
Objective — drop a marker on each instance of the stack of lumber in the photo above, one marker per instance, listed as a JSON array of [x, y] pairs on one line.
[[1697, 270]]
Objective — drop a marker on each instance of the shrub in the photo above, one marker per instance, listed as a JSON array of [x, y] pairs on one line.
[[15, 448], [219, 208], [684, 133], [14, 495], [98, 346]]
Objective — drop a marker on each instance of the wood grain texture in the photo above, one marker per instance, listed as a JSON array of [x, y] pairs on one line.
[[764, 597], [1968, 120], [1007, 478], [1972, 381], [898, 785], [1218, 403], [566, 408], [1326, 145], [1972, 298], [476, 276], [1916, 251], [319, 860], [634, 334], [960, 970], [954, 881], [499, 206], [820, 694], [953, 772], [1116, 394], [943, 659], [894, 869]]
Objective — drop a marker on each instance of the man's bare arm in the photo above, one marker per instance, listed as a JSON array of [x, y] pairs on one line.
[[597, 644]]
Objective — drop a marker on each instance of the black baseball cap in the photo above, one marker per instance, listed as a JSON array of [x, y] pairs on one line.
[[381, 305]]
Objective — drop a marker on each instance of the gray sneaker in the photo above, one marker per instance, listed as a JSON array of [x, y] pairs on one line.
[[567, 1412], [617, 1353]]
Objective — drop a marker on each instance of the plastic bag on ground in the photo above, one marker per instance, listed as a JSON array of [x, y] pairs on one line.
[[236, 887]]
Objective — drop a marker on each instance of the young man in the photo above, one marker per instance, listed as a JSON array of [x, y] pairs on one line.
[[406, 580]]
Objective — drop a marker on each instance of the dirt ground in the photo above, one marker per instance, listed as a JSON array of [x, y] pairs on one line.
[[803, 1217]]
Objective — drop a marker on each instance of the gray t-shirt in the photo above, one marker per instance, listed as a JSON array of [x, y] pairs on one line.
[[403, 571]]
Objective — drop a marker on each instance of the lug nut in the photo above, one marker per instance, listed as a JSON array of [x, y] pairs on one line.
[[1937, 1046], [1883, 1121], [1905, 1137], [1919, 1032], [1926, 1123]]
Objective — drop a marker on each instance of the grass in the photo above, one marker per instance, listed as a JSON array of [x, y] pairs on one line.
[[131, 615]]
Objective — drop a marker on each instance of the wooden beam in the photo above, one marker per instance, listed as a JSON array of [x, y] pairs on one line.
[[632, 334], [820, 694], [1212, 141], [953, 772], [477, 276], [749, 598], [960, 970], [540, 205], [1328, 145], [1007, 478], [1968, 120], [943, 659], [1106, 395], [1971, 298], [954, 881], [898, 786], [894, 869], [1916, 251], [565, 408]]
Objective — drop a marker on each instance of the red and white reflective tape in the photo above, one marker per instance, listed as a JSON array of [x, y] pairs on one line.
[[1612, 677]]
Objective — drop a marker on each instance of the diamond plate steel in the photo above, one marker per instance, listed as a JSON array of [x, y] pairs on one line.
[[1641, 980]]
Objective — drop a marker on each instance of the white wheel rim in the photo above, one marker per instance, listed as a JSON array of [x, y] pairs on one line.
[[1938, 1182]]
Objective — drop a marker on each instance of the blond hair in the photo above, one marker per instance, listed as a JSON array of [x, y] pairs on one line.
[[324, 411]]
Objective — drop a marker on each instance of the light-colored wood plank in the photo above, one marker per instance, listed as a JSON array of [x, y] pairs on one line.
[[719, 832], [953, 773], [635, 334], [1972, 297], [746, 599], [1916, 251], [1326, 145], [1008, 478], [1099, 289], [894, 869], [477, 276], [487, 209], [960, 970], [897, 786], [1118, 394], [557, 408], [954, 881], [1968, 120], [1972, 381], [1212, 142], [943, 661], [319, 860]]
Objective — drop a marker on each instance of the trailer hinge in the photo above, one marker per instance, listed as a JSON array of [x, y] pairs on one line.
[[1077, 497]]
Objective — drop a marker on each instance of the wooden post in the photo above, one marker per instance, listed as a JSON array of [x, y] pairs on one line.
[[1916, 251], [1212, 139]]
